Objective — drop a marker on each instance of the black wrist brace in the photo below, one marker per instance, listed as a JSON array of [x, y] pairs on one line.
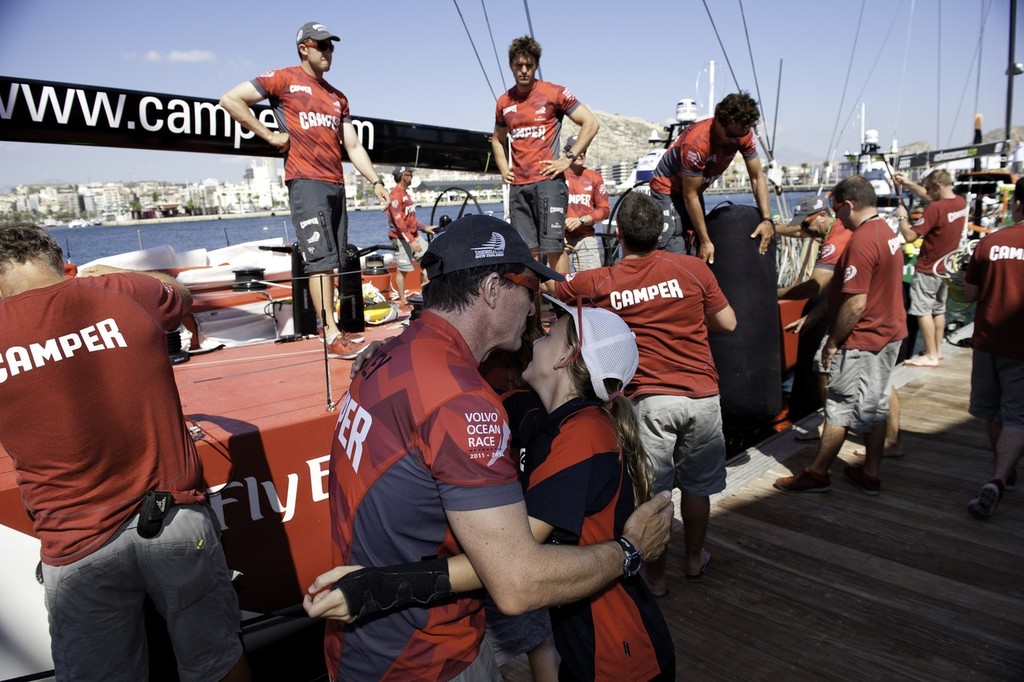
[[370, 590]]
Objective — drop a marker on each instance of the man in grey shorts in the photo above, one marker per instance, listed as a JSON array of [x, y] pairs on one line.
[[867, 323], [106, 467], [530, 115], [941, 227], [315, 134]]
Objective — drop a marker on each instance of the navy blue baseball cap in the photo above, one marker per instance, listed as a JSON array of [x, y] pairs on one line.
[[477, 240]]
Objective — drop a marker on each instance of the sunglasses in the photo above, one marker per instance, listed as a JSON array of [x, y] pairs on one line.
[[523, 279], [321, 45]]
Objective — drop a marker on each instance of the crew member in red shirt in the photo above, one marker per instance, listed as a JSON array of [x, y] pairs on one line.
[[314, 128], [942, 226], [404, 232], [995, 278], [867, 324], [92, 422], [670, 301], [588, 205], [698, 157], [530, 116]]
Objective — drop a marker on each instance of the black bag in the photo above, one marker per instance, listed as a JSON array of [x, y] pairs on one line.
[[152, 512]]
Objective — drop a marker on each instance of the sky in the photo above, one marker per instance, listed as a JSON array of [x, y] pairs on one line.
[[810, 63]]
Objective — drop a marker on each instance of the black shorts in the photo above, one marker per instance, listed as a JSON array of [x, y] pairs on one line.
[[320, 218], [538, 213]]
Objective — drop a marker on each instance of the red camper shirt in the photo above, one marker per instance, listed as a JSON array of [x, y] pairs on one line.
[[587, 196], [402, 215], [418, 433], [941, 226], [578, 483], [664, 298], [84, 463], [833, 246], [872, 264], [311, 112], [534, 123], [997, 266], [695, 154]]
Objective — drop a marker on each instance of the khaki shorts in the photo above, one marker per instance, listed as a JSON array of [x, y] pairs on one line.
[[585, 253], [928, 295], [95, 603], [684, 443], [859, 387]]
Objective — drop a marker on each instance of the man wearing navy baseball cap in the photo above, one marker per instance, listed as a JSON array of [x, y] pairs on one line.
[[420, 466]]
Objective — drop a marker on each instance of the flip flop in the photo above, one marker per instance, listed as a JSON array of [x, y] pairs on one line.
[[698, 577], [921, 361]]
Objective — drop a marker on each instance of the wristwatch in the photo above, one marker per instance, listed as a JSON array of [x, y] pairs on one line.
[[633, 562], [378, 181], [569, 155]]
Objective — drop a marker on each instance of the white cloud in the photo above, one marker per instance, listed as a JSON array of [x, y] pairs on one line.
[[153, 56], [191, 56], [128, 56]]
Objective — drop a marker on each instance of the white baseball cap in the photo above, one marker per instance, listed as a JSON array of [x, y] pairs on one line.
[[607, 345]]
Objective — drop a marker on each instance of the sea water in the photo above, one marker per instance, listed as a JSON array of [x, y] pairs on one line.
[[366, 228]]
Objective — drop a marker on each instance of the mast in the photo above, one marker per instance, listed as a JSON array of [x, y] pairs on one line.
[[1011, 71]]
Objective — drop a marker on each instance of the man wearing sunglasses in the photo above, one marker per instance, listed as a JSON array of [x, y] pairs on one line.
[[420, 467], [315, 134], [696, 159]]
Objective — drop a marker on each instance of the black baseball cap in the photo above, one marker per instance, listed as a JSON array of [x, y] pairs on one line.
[[399, 172], [314, 30], [810, 206], [477, 240]]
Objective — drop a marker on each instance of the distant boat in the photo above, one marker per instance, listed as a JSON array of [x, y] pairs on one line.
[[79, 222]]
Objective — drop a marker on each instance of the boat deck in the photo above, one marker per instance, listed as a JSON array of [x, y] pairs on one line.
[[905, 585]]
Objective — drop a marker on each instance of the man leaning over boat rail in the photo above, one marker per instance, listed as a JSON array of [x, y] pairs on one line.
[[106, 467], [315, 135], [698, 157], [995, 279], [420, 467]]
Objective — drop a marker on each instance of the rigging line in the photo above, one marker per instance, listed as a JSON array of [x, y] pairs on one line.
[[834, 138], [767, 149], [938, 75], [529, 25], [473, 45], [874, 65], [976, 57], [977, 81], [753, 68], [903, 71], [775, 115], [494, 47]]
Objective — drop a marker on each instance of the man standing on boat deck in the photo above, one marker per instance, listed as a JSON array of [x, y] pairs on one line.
[[92, 421], [942, 226], [420, 467], [588, 205], [698, 157], [315, 126], [675, 387], [404, 232], [995, 279], [530, 115], [867, 324]]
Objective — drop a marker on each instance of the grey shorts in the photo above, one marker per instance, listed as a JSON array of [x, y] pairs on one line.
[[997, 388], [538, 213], [928, 295], [320, 218], [585, 253], [402, 260], [858, 387], [483, 668], [95, 604], [676, 222], [684, 443]]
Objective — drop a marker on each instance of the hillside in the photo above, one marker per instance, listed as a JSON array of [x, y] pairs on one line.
[[621, 138]]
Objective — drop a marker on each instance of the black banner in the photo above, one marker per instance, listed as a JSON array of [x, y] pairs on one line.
[[65, 113], [925, 159]]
